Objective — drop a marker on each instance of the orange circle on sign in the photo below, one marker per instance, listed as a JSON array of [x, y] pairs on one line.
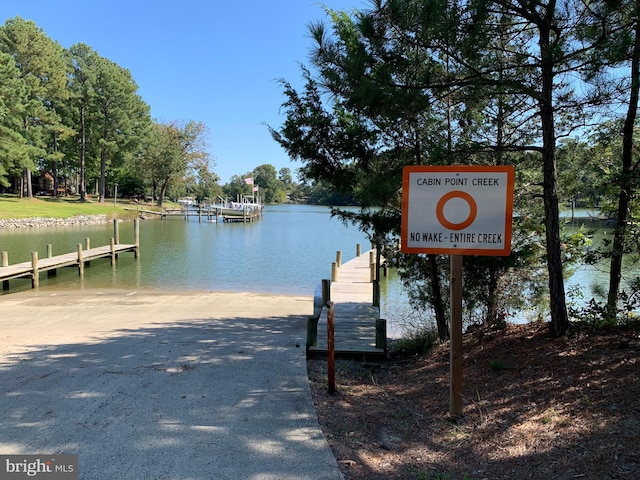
[[473, 210]]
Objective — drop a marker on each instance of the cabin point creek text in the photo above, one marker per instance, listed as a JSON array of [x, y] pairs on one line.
[[457, 181]]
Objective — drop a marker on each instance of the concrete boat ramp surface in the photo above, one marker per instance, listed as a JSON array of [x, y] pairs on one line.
[[161, 385]]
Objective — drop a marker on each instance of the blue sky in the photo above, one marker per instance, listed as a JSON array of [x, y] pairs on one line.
[[214, 61]]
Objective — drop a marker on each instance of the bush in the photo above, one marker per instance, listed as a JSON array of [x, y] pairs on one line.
[[417, 342]]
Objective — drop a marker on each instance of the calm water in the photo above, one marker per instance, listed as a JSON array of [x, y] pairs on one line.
[[288, 252]]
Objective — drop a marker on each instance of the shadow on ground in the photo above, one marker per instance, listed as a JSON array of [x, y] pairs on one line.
[[197, 399]]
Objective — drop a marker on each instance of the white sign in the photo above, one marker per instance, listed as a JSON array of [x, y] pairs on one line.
[[457, 210]]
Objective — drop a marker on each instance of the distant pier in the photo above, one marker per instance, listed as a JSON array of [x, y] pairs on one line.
[[212, 214], [82, 256]]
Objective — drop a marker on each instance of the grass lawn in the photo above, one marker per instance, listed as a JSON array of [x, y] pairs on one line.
[[12, 206]]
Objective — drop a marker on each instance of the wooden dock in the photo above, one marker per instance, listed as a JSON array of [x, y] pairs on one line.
[[211, 214], [82, 256], [359, 331]]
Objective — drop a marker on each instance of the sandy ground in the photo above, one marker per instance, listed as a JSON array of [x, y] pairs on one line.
[[154, 384]]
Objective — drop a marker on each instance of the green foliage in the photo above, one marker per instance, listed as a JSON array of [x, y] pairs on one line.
[[14, 149], [41, 88], [414, 83], [416, 342], [596, 312]]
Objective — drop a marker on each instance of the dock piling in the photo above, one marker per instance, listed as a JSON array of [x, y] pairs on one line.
[[136, 237], [53, 272], [326, 291], [116, 231], [80, 261], [35, 276], [87, 246], [112, 244], [381, 334], [5, 263]]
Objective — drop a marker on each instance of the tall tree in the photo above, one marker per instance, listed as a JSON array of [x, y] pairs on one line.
[[83, 65], [15, 152], [42, 66], [378, 119], [120, 117], [172, 152], [617, 25]]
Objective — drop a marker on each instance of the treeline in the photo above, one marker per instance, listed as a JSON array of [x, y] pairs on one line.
[[550, 87], [78, 117]]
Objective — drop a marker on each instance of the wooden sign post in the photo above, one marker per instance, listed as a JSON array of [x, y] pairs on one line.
[[457, 210]]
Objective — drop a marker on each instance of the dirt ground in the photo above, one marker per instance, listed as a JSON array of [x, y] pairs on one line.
[[534, 407]]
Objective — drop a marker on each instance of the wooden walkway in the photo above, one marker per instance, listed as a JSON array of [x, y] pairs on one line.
[[359, 332], [77, 259]]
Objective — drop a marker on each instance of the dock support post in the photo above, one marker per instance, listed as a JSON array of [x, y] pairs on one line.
[[87, 246], [54, 271], [339, 258], [136, 237], [80, 261], [312, 331], [35, 276], [326, 291], [331, 349], [381, 334], [116, 231], [5, 263], [334, 272], [112, 244]]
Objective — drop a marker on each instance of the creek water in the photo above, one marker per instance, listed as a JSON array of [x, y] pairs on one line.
[[289, 251]]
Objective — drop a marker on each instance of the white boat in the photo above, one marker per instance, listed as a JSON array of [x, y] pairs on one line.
[[246, 208]]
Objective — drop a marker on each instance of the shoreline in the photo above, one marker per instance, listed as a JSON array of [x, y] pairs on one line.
[[46, 222]]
